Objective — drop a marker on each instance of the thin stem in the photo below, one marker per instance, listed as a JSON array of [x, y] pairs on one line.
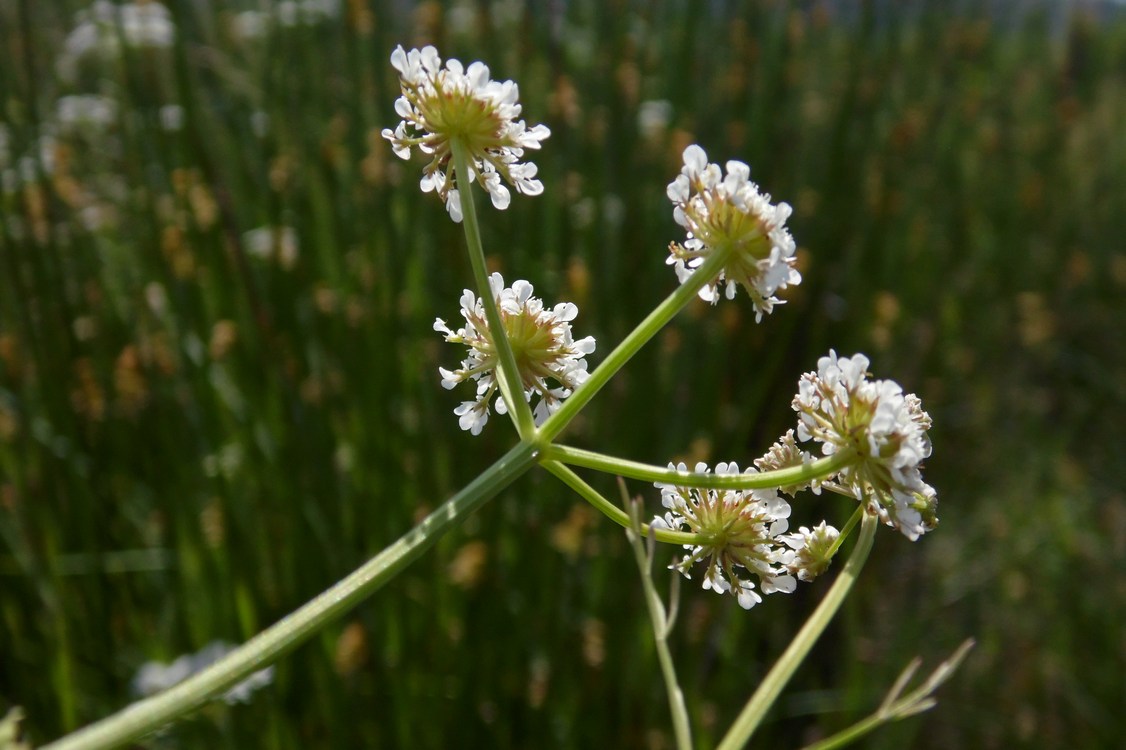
[[896, 706], [630, 345], [144, 716], [658, 617], [611, 511], [768, 691], [794, 475], [511, 388]]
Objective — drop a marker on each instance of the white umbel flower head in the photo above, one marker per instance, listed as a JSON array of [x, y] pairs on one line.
[[727, 210], [813, 550], [886, 431], [739, 535], [443, 104], [541, 343]]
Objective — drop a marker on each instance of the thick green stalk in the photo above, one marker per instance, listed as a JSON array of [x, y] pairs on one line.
[[771, 686], [149, 714], [508, 375], [820, 468], [632, 343], [611, 511]]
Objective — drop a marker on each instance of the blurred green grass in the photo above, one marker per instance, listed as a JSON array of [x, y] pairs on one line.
[[200, 429]]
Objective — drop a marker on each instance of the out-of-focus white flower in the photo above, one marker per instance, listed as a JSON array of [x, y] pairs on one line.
[[541, 342], [105, 25], [442, 104], [278, 243], [154, 677], [250, 24], [726, 212], [259, 123], [886, 431], [85, 111], [147, 24], [738, 532], [172, 117], [653, 117]]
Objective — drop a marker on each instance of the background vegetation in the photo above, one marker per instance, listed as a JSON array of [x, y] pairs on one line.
[[202, 426]]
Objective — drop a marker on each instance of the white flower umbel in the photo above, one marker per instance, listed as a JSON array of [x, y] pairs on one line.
[[886, 430], [728, 213], [738, 531], [813, 550], [442, 104], [541, 343]]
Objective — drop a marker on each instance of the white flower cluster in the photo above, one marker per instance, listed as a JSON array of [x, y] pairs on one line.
[[740, 535], [103, 27], [83, 112], [442, 104], [813, 550], [154, 677], [276, 243], [256, 24], [541, 341], [727, 213], [887, 431]]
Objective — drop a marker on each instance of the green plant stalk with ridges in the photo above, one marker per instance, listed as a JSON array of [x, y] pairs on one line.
[[149, 714], [611, 511], [795, 475], [771, 686], [512, 388]]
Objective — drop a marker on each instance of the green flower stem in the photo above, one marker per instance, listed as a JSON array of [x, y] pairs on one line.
[[643, 554], [149, 714], [511, 388], [611, 511], [768, 691], [822, 467], [630, 345]]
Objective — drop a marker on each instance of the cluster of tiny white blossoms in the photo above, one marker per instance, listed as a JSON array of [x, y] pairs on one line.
[[740, 535], [885, 430], [727, 213], [440, 105], [541, 342], [154, 677]]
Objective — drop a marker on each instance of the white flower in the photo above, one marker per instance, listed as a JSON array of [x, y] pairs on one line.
[[728, 213], [786, 454], [154, 677], [541, 342], [171, 117], [653, 117], [813, 550], [278, 243], [739, 535], [104, 25], [886, 431], [85, 111], [440, 105]]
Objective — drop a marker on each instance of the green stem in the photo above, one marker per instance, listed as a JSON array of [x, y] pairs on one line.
[[768, 691], [149, 714], [630, 345], [643, 554], [611, 511], [822, 467], [511, 388]]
